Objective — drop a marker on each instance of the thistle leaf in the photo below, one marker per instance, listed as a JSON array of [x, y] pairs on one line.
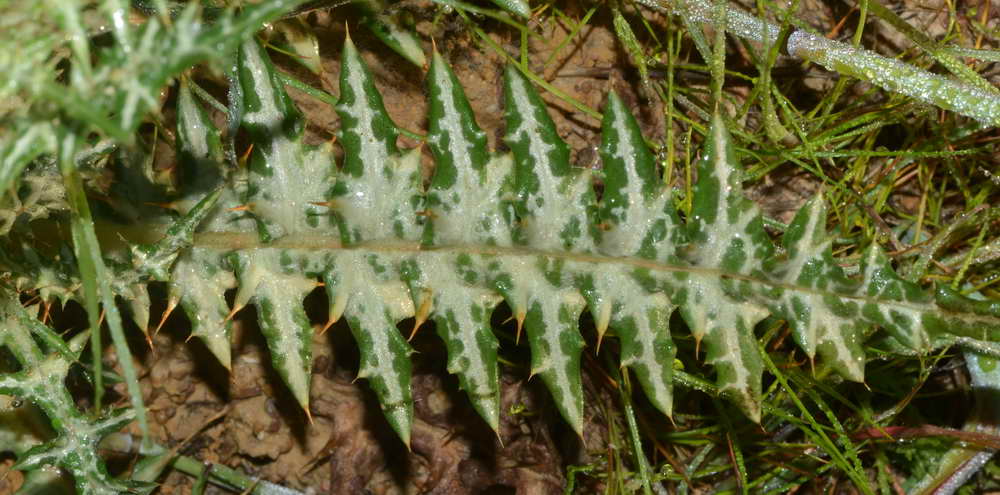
[[727, 230], [199, 283], [636, 207], [523, 227], [820, 321], [42, 381], [556, 204], [199, 148], [462, 162], [446, 285], [377, 198], [378, 194], [301, 41], [638, 213], [198, 279], [556, 207], [893, 303], [374, 304], [113, 89], [272, 280], [287, 181], [551, 321]]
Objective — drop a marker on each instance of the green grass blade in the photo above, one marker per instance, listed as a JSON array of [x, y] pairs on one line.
[[97, 288], [517, 7]]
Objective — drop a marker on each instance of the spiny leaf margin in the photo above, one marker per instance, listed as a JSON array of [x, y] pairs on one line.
[[628, 258]]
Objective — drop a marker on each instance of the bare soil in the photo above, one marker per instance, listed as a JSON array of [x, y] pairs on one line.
[[348, 447]]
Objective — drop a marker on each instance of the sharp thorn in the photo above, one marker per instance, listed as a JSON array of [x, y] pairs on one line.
[[246, 155], [166, 206], [422, 312], [520, 324], [337, 306], [413, 333], [232, 313], [171, 305], [329, 323], [46, 308]]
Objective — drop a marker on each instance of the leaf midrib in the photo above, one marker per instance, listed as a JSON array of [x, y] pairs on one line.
[[229, 241]]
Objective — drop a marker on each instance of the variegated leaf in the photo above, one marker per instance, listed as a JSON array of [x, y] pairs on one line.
[[378, 194], [893, 303], [556, 204], [556, 208], [272, 279], [287, 182], [198, 284], [198, 278], [539, 290], [821, 321], [41, 380], [726, 234], [362, 286], [377, 198], [641, 222], [526, 228], [445, 286]]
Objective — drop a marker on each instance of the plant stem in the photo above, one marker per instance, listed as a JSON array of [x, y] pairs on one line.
[[887, 73], [959, 464], [230, 478]]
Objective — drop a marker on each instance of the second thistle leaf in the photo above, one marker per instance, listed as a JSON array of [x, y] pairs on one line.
[[42, 381]]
